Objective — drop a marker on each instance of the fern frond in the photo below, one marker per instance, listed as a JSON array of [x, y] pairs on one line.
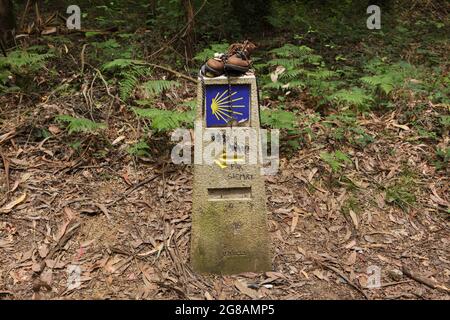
[[297, 84], [385, 82], [290, 50], [80, 124], [4, 76], [165, 120], [274, 85], [129, 80], [278, 119], [139, 149], [155, 87], [190, 104], [285, 62], [129, 72], [120, 64], [291, 74], [320, 74], [355, 97], [17, 60], [336, 160]]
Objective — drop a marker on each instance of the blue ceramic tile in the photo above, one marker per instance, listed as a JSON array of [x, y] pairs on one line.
[[222, 107]]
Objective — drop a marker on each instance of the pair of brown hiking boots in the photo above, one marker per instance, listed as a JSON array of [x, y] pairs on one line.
[[235, 63]]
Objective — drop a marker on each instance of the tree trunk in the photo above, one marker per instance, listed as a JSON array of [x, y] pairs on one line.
[[190, 31], [7, 24], [152, 7], [7, 19]]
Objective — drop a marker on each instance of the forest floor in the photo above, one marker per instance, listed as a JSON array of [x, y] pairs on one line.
[[126, 221], [131, 239]]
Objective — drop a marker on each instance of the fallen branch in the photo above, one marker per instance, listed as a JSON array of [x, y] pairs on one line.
[[7, 136], [137, 186], [389, 284], [178, 74], [424, 280], [61, 243], [6, 165], [82, 58], [343, 276], [105, 83]]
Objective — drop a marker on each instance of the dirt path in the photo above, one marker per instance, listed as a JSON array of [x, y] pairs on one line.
[[326, 231]]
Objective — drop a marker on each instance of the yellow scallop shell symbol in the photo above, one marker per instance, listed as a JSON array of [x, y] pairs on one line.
[[222, 106]]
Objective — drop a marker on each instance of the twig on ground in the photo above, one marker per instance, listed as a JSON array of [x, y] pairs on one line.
[[61, 243], [7, 136], [82, 59], [105, 83], [178, 74], [389, 284], [137, 186], [424, 280], [343, 276], [6, 165], [23, 222]]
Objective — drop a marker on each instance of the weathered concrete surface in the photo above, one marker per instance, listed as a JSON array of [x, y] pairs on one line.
[[230, 235]]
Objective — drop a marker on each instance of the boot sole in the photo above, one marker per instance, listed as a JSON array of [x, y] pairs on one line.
[[215, 72], [235, 68]]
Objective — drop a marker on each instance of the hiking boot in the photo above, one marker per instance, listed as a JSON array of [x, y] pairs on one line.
[[214, 67], [246, 48], [238, 61]]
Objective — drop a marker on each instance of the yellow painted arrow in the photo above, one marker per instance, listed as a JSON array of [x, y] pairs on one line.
[[223, 160]]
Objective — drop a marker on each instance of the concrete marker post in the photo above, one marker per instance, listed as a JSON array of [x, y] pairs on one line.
[[229, 219]]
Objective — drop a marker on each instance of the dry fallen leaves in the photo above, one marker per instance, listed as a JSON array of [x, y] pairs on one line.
[[354, 218], [8, 208], [294, 222], [246, 290]]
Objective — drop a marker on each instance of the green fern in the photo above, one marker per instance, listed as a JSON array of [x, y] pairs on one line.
[[4, 76], [354, 97], [156, 87], [290, 50], [278, 119], [80, 124], [120, 64], [386, 82], [288, 63], [20, 61], [139, 149], [21, 64], [292, 74], [165, 120], [320, 74], [301, 69], [388, 77], [336, 160], [190, 104], [130, 78], [129, 72], [110, 49]]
